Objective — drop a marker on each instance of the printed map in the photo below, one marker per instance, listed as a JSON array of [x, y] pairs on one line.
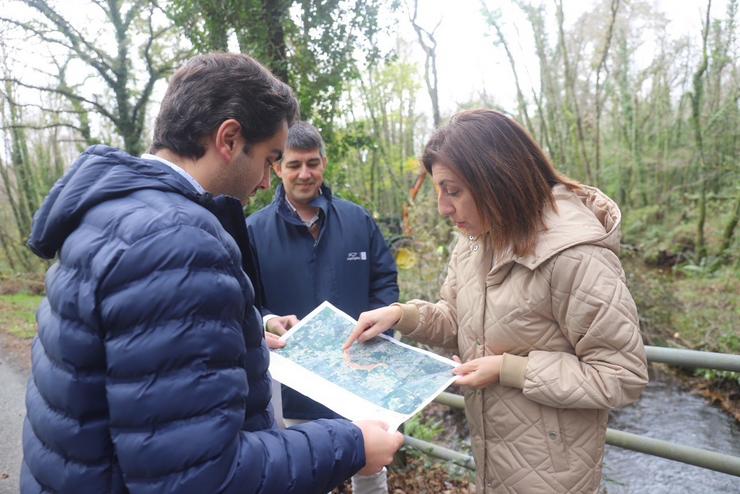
[[383, 371]]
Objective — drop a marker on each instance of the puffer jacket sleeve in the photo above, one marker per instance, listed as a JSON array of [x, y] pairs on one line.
[[434, 323], [176, 383], [595, 311], [383, 288]]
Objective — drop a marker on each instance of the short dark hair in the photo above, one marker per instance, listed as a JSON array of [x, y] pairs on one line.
[[215, 87], [509, 176], [305, 137]]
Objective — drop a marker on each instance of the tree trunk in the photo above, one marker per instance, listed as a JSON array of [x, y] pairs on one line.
[[570, 95], [273, 12], [492, 19], [729, 230], [696, 102], [597, 93]]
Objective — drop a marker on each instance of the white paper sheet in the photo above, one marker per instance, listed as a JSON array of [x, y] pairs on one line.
[[383, 379]]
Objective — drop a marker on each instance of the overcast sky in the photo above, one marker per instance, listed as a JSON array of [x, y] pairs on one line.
[[469, 62]]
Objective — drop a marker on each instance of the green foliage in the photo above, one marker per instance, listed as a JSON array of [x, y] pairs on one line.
[[707, 266], [375, 157], [664, 234], [720, 376], [699, 311], [430, 427], [729, 343], [432, 242], [312, 45], [262, 198], [650, 134], [710, 309], [35, 163], [423, 428], [17, 314]]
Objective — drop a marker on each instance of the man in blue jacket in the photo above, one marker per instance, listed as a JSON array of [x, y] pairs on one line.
[[311, 247], [150, 365]]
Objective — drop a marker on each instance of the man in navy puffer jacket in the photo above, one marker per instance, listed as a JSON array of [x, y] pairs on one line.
[[150, 366]]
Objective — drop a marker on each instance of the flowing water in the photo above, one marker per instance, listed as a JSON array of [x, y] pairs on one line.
[[667, 411]]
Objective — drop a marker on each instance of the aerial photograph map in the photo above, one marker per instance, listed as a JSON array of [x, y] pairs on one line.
[[383, 371]]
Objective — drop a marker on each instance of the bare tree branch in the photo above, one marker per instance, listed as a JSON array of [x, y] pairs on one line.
[[601, 66], [154, 75], [129, 16], [95, 57], [102, 4], [428, 43], [44, 109], [99, 107], [43, 34], [492, 18], [41, 127]]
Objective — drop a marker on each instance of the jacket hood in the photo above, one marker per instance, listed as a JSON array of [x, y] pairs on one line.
[[100, 174], [582, 216]]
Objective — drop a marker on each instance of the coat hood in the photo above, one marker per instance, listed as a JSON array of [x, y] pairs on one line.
[[101, 173], [582, 216]]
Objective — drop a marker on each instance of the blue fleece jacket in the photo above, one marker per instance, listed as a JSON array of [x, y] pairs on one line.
[[150, 366], [348, 264]]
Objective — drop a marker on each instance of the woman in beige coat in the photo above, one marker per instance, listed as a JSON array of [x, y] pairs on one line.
[[535, 303]]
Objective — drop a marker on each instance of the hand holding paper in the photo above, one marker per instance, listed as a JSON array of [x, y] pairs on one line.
[[380, 379], [380, 445], [479, 373], [281, 324]]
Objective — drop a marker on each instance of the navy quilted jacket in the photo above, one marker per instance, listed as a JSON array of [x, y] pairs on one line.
[[150, 366]]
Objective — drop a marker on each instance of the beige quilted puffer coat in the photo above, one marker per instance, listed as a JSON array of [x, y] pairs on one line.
[[568, 329]]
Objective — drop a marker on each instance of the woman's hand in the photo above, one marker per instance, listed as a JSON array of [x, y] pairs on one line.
[[479, 373], [372, 323]]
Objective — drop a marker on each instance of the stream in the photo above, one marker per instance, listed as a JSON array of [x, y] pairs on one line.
[[669, 412]]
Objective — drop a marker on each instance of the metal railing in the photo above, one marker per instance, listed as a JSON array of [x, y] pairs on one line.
[[694, 359], [711, 460]]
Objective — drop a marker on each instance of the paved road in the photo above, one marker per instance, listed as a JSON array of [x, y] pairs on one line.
[[12, 411]]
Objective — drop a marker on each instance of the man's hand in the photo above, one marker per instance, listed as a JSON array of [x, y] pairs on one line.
[[380, 445], [372, 323], [276, 327], [273, 341], [479, 373], [281, 324]]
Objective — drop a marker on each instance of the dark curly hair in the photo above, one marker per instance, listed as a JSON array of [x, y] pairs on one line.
[[215, 87]]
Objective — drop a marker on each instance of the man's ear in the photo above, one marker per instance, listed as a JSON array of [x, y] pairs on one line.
[[324, 162], [228, 139]]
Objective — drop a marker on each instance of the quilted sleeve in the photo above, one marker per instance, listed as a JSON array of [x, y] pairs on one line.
[[172, 308], [434, 323], [595, 311]]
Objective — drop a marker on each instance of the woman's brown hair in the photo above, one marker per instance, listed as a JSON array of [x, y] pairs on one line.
[[508, 175]]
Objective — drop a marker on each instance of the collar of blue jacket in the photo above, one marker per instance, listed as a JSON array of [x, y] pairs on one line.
[[322, 201]]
